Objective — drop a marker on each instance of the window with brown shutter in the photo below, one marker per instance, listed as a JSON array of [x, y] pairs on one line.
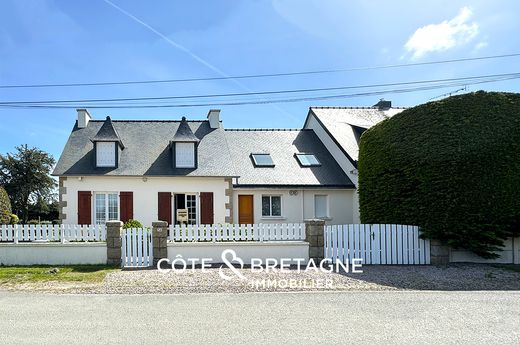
[[84, 208], [206, 208], [126, 206], [165, 207]]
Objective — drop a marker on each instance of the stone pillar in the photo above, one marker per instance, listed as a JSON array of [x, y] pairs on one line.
[[439, 253], [114, 230], [159, 238], [314, 234]]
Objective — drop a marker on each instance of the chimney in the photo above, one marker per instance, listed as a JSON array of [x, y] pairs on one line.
[[214, 118], [83, 118], [383, 105]]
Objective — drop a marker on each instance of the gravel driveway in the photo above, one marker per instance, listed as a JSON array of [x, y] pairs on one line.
[[465, 277]]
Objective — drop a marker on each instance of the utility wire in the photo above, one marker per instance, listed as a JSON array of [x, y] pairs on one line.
[[491, 77], [268, 75], [236, 103]]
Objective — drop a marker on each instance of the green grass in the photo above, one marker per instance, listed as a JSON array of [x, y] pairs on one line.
[[12, 275], [510, 267]]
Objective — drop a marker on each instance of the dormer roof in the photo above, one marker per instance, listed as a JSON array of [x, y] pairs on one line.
[[184, 133], [107, 132]]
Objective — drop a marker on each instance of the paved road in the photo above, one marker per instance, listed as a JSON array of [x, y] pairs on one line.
[[262, 318]]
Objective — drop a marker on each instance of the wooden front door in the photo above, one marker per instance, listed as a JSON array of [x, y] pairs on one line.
[[165, 207], [245, 209]]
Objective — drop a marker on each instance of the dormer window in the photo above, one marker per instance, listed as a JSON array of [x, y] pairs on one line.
[[262, 160], [184, 147], [107, 146], [185, 155], [106, 154]]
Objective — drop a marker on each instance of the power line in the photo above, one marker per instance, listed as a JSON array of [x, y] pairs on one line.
[[252, 76], [237, 103], [466, 80]]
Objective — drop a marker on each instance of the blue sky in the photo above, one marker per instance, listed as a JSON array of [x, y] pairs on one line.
[[59, 41]]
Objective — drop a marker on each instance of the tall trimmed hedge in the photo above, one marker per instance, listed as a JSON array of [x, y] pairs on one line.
[[451, 166], [5, 207]]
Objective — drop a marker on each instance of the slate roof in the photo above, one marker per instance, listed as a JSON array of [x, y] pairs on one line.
[[184, 133], [147, 150], [345, 124], [282, 145], [107, 132]]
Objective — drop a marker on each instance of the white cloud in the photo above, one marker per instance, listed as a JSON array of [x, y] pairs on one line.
[[443, 36]]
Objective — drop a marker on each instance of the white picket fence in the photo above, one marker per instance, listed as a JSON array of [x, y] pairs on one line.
[[376, 244], [52, 233], [236, 232], [136, 248]]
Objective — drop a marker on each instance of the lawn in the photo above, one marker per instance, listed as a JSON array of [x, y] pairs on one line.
[[12, 275], [511, 267]]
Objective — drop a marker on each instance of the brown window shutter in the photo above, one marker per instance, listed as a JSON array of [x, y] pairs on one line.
[[206, 208], [126, 206], [84, 208], [165, 207]]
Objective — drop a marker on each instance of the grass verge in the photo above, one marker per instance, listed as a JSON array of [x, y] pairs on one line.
[[13, 275], [510, 267]]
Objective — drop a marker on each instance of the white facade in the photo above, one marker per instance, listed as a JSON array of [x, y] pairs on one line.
[[145, 194], [341, 159], [299, 204]]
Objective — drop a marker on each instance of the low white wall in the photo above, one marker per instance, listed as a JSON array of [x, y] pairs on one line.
[[510, 254], [53, 254], [245, 250]]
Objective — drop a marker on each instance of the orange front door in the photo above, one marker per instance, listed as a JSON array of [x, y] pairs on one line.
[[245, 209]]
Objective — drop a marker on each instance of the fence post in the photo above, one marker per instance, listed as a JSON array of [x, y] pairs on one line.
[[114, 230], [159, 241], [439, 253], [314, 235], [16, 234]]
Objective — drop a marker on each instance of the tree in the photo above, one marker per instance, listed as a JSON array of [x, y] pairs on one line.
[[25, 175], [451, 167], [5, 207]]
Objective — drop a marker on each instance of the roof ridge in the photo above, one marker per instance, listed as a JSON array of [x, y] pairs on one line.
[[351, 107], [265, 129], [150, 121]]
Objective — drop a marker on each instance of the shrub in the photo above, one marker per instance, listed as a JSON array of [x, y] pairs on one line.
[[14, 219], [5, 207], [451, 167], [132, 223], [39, 222]]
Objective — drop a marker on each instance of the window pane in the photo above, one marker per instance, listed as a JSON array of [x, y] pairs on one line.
[[105, 154], [307, 160], [276, 206], [263, 159], [266, 206], [191, 205], [185, 155], [100, 208], [112, 207], [320, 206]]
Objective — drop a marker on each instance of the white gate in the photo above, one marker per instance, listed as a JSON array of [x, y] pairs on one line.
[[137, 248], [376, 244]]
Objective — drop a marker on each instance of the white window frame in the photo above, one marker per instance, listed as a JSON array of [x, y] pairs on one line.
[[183, 164], [259, 165], [271, 205], [327, 208], [101, 144], [107, 212], [197, 204]]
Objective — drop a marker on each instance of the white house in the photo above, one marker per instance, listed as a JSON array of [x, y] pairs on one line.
[[340, 129], [159, 169]]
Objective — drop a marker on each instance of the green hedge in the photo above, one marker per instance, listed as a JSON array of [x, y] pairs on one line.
[[5, 207], [451, 166]]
